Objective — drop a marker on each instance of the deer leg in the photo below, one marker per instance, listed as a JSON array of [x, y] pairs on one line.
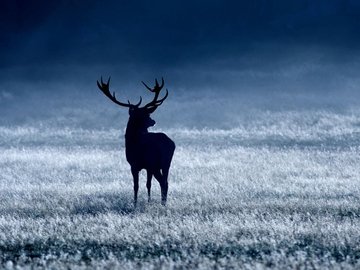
[[163, 185], [148, 184], [135, 174], [164, 190]]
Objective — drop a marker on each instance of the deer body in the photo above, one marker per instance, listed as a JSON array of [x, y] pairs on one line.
[[149, 151], [145, 150], [152, 152]]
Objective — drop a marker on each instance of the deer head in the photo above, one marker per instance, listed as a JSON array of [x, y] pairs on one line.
[[139, 116]]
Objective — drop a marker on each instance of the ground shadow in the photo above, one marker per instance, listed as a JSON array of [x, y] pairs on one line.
[[100, 203]]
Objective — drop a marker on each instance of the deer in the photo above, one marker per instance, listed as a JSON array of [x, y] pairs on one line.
[[143, 149]]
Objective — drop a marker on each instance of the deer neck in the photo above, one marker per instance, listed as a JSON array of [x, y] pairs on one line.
[[133, 133]]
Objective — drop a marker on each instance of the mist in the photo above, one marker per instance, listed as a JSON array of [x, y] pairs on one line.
[[225, 57], [216, 94]]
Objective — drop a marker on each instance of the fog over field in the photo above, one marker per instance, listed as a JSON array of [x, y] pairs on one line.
[[264, 108]]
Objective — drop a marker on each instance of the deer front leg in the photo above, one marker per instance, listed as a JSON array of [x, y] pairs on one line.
[[148, 184], [135, 174]]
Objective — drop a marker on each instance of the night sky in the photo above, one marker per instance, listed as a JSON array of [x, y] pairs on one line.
[[183, 40]]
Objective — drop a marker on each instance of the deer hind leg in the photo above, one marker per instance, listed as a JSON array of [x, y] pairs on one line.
[[165, 173], [148, 184], [135, 174], [162, 178]]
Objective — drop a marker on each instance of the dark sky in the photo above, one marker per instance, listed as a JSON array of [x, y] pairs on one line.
[[154, 36]]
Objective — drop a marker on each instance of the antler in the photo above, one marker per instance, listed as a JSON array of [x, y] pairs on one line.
[[151, 106], [104, 87]]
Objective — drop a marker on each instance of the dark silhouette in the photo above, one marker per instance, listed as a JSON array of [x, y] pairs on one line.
[[145, 150]]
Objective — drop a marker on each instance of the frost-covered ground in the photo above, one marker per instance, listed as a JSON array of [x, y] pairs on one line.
[[273, 187]]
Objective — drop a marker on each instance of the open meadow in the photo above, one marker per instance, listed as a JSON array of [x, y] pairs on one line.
[[275, 188]]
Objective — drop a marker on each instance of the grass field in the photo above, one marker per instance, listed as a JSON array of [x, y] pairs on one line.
[[281, 190]]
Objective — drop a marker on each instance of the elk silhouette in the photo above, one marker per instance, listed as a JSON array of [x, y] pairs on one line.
[[145, 150]]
